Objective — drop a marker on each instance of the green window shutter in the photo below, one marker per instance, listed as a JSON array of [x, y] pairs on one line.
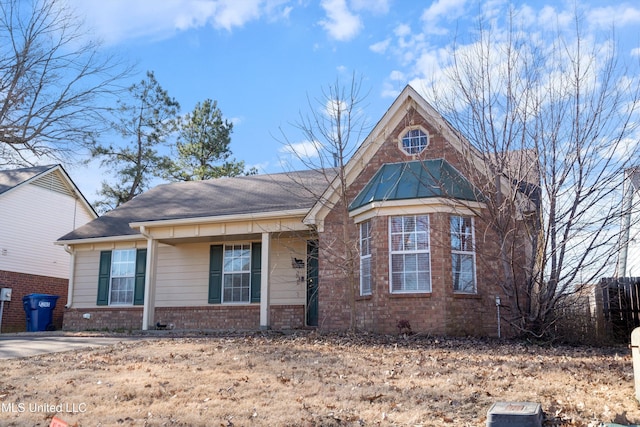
[[256, 263], [141, 268], [215, 274], [104, 274]]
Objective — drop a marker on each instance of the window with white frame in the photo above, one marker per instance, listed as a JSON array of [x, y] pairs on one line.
[[236, 274], [463, 255], [123, 276], [410, 256], [365, 258], [415, 141]]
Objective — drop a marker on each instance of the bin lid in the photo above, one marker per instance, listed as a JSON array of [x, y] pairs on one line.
[[39, 296]]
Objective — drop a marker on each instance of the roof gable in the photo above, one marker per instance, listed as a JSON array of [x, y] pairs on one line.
[[407, 100], [50, 177], [416, 180], [12, 178]]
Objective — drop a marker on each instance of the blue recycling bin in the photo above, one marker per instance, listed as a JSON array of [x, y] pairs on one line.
[[39, 311]]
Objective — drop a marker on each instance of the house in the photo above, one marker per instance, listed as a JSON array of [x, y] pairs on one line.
[[401, 249], [628, 264], [37, 205]]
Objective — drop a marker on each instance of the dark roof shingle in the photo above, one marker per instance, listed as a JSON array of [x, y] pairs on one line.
[[215, 197]]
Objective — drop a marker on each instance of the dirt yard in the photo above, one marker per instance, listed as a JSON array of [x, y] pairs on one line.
[[307, 379]]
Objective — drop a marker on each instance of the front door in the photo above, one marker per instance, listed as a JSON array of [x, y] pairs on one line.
[[312, 283]]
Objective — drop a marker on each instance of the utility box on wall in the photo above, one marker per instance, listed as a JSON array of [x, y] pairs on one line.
[[5, 294]]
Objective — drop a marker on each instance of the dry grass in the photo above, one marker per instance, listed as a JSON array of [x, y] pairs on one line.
[[307, 379]]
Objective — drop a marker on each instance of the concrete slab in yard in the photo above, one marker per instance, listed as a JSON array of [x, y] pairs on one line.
[[31, 344]]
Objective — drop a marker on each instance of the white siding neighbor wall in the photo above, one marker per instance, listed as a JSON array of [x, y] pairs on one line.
[[32, 218]]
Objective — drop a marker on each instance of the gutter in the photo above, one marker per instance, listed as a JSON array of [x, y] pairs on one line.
[[291, 213], [71, 252]]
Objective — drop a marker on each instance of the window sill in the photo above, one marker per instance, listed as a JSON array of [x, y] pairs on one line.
[[460, 295], [411, 295], [364, 297]]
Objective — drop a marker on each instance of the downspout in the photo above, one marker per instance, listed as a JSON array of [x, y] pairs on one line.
[[72, 270]]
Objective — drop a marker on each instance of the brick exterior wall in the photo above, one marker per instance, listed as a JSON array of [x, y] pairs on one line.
[[14, 316], [439, 312], [287, 317], [213, 317], [127, 318]]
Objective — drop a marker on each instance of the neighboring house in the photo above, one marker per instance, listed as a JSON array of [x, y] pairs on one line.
[[37, 205], [260, 251], [629, 256]]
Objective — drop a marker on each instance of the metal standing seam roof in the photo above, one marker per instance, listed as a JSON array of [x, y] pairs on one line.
[[14, 177], [416, 180], [210, 198]]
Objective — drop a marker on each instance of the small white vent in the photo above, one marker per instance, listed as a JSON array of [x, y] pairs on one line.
[[53, 182]]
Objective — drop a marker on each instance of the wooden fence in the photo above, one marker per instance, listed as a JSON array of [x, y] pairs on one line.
[[621, 306]]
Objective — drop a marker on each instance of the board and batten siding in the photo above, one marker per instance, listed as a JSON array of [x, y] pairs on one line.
[[182, 278], [32, 218]]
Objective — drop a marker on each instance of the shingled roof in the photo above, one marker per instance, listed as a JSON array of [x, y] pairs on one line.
[[210, 198], [14, 177]]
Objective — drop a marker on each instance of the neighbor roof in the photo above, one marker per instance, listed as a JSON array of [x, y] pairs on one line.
[[210, 198], [416, 180], [12, 178]]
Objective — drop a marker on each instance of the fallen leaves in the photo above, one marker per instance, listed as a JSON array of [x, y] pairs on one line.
[[311, 380]]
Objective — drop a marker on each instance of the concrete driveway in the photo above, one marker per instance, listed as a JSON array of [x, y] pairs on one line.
[[30, 344]]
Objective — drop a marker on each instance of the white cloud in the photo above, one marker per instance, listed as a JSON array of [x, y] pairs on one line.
[[303, 150], [635, 52], [375, 6], [397, 76], [441, 10], [402, 30], [380, 47], [341, 24], [620, 15], [114, 21]]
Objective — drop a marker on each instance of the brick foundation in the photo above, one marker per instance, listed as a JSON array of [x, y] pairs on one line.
[[287, 317], [103, 319], [214, 317], [14, 317]]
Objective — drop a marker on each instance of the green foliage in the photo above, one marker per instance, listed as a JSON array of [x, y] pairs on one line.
[[145, 121], [202, 149]]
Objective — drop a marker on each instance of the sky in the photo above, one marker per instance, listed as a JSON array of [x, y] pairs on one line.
[[263, 60]]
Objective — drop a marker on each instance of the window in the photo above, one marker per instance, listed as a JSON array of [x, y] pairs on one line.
[[463, 256], [121, 277], [414, 141], [123, 272], [365, 258], [410, 258], [236, 273]]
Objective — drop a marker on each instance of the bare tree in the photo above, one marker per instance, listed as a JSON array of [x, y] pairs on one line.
[[52, 82], [332, 129], [552, 127]]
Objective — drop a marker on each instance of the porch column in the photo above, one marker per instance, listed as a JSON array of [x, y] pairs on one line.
[[265, 322], [150, 284]]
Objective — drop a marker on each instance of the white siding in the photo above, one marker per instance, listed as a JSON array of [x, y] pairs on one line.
[[286, 288], [31, 219], [182, 278], [85, 285], [183, 275], [633, 251]]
